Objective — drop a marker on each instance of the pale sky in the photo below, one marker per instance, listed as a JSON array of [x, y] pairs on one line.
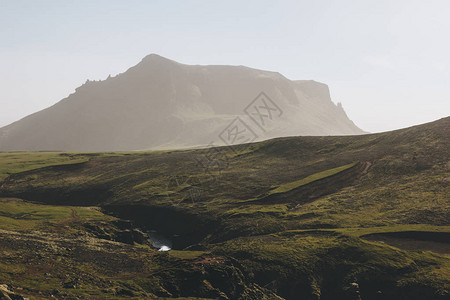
[[387, 61]]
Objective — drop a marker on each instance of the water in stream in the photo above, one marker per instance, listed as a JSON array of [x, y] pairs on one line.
[[158, 241]]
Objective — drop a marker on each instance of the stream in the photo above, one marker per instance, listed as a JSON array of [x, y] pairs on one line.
[[158, 241]]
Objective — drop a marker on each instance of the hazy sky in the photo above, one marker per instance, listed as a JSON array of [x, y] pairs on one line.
[[388, 62]]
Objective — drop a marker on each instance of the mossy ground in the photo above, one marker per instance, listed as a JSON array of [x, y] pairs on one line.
[[13, 162], [286, 187], [285, 217]]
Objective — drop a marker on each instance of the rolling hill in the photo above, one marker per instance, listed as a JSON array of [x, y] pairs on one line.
[[331, 217]]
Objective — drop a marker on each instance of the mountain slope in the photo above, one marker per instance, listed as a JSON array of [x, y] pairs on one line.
[[160, 103], [335, 217]]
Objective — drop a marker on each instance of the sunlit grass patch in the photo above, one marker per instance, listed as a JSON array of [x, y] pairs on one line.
[[16, 214], [14, 162], [320, 175]]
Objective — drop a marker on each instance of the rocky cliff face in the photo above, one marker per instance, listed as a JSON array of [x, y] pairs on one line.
[[160, 103]]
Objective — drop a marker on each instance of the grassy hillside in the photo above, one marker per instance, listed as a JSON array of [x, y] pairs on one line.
[[13, 162], [312, 217], [283, 188]]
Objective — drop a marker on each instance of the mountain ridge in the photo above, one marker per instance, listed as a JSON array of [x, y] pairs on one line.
[[160, 103]]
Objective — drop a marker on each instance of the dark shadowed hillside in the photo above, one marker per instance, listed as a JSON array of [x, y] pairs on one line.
[[161, 104]]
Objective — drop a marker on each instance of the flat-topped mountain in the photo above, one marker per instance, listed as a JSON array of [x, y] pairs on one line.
[[160, 103]]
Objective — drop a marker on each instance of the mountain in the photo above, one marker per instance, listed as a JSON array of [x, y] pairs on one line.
[[160, 103]]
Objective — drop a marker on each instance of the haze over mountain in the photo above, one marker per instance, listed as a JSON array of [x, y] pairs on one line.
[[160, 103]]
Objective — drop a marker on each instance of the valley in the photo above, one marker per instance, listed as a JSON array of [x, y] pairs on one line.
[[333, 217]]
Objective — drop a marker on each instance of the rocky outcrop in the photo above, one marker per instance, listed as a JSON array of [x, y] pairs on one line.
[[6, 294]]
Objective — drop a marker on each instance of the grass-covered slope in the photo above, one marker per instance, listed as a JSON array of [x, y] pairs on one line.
[[13, 162], [283, 188], [301, 217]]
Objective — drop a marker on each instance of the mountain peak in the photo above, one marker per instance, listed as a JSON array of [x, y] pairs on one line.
[[153, 57]]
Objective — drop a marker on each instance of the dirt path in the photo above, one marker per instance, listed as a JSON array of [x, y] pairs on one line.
[[74, 217]]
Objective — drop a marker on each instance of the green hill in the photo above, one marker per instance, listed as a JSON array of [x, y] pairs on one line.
[[349, 217]]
